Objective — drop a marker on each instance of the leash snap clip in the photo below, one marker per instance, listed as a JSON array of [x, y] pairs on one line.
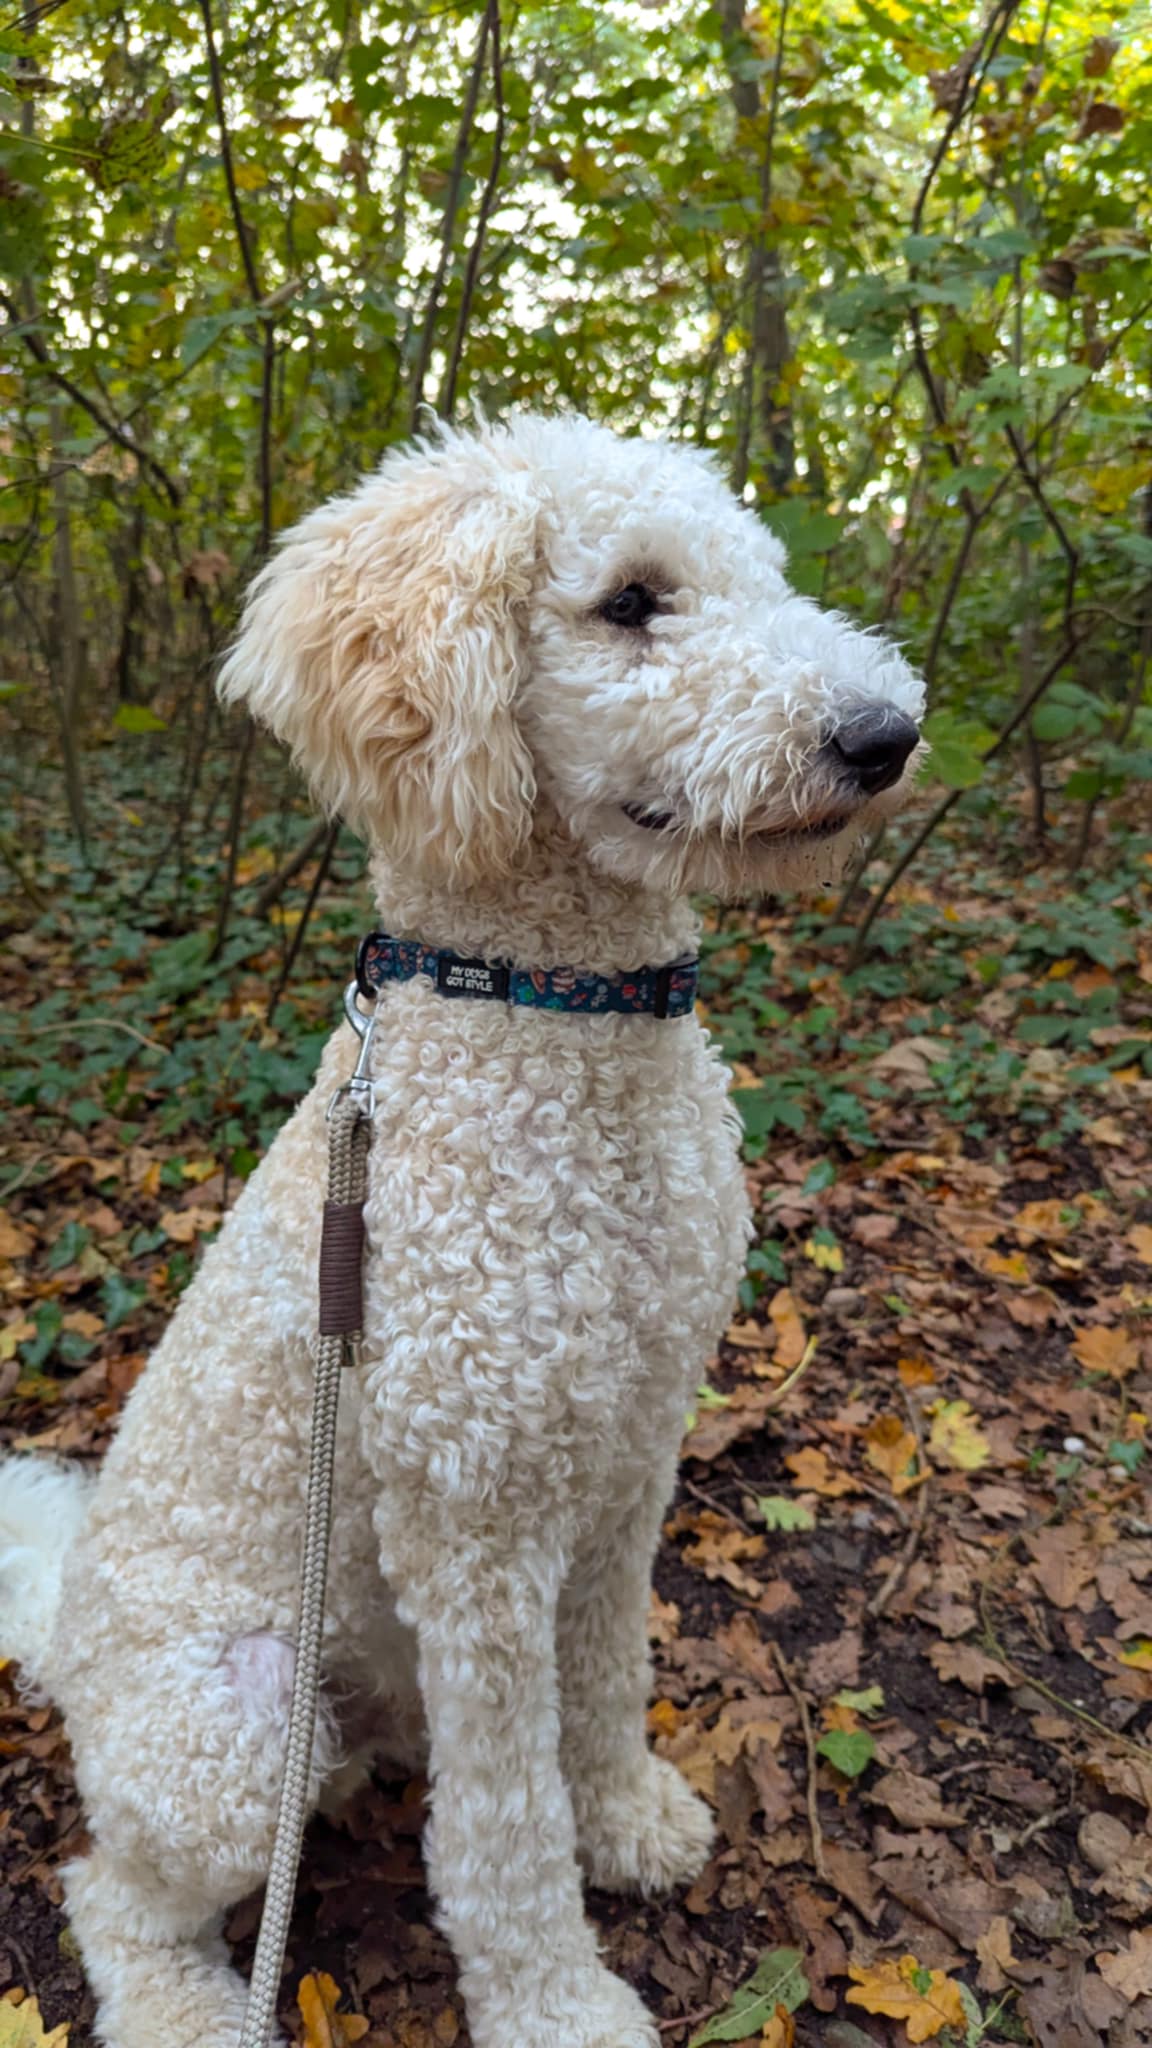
[[359, 1084]]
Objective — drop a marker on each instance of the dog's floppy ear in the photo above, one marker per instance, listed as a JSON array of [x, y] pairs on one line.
[[383, 644]]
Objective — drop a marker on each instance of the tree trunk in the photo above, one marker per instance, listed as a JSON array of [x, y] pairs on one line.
[[765, 434]]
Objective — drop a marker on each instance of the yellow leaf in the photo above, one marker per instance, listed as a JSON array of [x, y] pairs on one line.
[[198, 1169], [1112, 484], [891, 1450], [1014, 1267], [1140, 1239], [663, 1718], [829, 1257], [22, 2027], [894, 1989], [1138, 1655], [324, 2027], [780, 2030], [956, 1438], [1106, 1349]]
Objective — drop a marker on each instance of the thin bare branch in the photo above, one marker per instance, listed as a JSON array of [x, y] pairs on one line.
[[448, 222], [27, 332], [488, 201]]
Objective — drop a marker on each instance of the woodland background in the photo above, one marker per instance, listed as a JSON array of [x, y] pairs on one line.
[[890, 261]]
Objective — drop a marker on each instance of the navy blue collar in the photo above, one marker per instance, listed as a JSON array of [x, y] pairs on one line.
[[651, 991]]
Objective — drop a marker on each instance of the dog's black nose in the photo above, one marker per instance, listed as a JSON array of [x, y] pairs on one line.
[[874, 745]]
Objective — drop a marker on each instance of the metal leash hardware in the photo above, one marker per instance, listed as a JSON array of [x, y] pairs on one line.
[[349, 1119]]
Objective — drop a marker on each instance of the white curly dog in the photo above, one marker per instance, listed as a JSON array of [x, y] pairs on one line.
[[558, 680]]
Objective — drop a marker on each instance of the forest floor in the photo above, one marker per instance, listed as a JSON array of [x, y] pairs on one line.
[[903, 1617]]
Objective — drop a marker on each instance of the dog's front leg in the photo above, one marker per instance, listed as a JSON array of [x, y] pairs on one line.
[[639, 1826], [501, 1845]]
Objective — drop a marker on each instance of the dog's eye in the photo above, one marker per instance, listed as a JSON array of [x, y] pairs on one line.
[[632, 606]]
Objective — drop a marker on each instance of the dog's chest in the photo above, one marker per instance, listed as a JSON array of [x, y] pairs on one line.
[[557, 1219]]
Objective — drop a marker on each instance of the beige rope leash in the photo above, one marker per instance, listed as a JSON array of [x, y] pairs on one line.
[[341, 1327]]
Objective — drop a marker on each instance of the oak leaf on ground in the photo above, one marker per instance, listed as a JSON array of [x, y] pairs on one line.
[[1104, 1348], [1129, 1970], [915, 1802], [926, 2000], [811, 1470], [890, 1449], [956, 1437]]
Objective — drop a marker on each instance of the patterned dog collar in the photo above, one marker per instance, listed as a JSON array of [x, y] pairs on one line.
[[651, 991]]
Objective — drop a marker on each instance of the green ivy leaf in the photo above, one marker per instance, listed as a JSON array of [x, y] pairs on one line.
[[849, 1751]]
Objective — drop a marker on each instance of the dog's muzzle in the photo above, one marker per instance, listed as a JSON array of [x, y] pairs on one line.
[[870, 750]]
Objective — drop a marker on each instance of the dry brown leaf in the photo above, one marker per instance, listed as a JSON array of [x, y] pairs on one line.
[[715, 1429], [1107, 1349], [785, 1319], [185, 1225], [15, 1241], [14, 1334], [83, 1322], [1129, 1970], [719, 1548], [915, 1802], [1123, 1772], [750, 1337], [1049, 1220], [1140, 1239], [814, 1474], [834, 1664], [916, 1372], [994, 1948], [875, 1227], [1013, 1267], [967, 1663], [890, 1449], [1063, 1564]]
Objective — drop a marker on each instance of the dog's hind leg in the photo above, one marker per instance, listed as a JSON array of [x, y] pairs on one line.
[[154, 1958], [181, 1782]]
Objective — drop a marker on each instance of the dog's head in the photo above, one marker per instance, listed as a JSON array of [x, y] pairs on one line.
[[547, 612]]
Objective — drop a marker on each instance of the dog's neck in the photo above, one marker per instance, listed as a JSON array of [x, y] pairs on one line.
[[554, 910]]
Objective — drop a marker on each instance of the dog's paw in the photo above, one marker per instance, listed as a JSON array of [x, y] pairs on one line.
[[648, 1837], [587, 2008]]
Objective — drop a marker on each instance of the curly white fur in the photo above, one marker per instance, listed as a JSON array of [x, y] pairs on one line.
[[556, 1226]]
